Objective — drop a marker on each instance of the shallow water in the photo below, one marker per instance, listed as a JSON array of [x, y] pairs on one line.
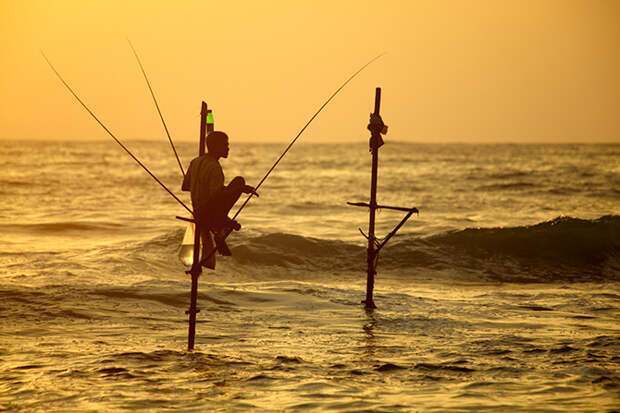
[[496, 298]]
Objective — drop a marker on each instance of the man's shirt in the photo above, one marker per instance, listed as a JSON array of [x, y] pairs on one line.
[[204, 178]]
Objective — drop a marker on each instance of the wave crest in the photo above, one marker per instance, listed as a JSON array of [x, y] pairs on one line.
[[563, 249], [290, 250]]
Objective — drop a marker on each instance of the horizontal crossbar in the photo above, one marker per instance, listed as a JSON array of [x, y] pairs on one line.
[[364, 204]]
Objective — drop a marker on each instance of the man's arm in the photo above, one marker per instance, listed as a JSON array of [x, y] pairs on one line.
[[238, 184], [247, 189]]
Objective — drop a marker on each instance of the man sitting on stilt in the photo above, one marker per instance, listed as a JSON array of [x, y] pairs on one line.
[[212, 200]]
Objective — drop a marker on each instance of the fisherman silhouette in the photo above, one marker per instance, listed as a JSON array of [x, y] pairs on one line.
[[211, 199]]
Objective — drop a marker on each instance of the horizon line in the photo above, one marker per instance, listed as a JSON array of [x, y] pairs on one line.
[[331, 142]]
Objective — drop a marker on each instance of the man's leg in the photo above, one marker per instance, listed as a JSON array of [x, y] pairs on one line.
[[206, 241], [223, 203], [222, 225]]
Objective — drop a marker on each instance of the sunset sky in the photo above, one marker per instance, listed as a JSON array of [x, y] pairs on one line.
[[454, 71]]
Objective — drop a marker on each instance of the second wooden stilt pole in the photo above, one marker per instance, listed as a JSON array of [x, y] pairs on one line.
[[372, 245], [376, 128]]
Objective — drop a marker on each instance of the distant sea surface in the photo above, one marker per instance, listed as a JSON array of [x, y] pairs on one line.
[[502, 295]]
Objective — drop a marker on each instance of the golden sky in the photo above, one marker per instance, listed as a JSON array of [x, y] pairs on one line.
[[454, 71]]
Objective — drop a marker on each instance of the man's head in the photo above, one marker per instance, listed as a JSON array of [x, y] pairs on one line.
[[217, 144]]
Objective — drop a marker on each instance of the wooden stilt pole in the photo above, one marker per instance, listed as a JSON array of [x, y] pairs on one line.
[[196, 269], [372, 247], [376, 128]]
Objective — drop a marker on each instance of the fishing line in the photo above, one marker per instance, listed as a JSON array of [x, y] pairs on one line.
[[157, 106], [112, 135], [302, 130]]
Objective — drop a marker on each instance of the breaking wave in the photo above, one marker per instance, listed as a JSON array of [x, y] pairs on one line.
[[563, 249]]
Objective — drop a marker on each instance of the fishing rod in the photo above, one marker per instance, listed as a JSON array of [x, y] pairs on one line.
[[112, 135], [157, 106], [301, 131]]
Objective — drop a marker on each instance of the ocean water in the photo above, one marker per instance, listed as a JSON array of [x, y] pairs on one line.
[[502, 295]]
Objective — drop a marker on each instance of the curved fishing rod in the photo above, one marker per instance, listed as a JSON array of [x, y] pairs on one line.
[[302, 130], [112, 135], [156, 105]]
